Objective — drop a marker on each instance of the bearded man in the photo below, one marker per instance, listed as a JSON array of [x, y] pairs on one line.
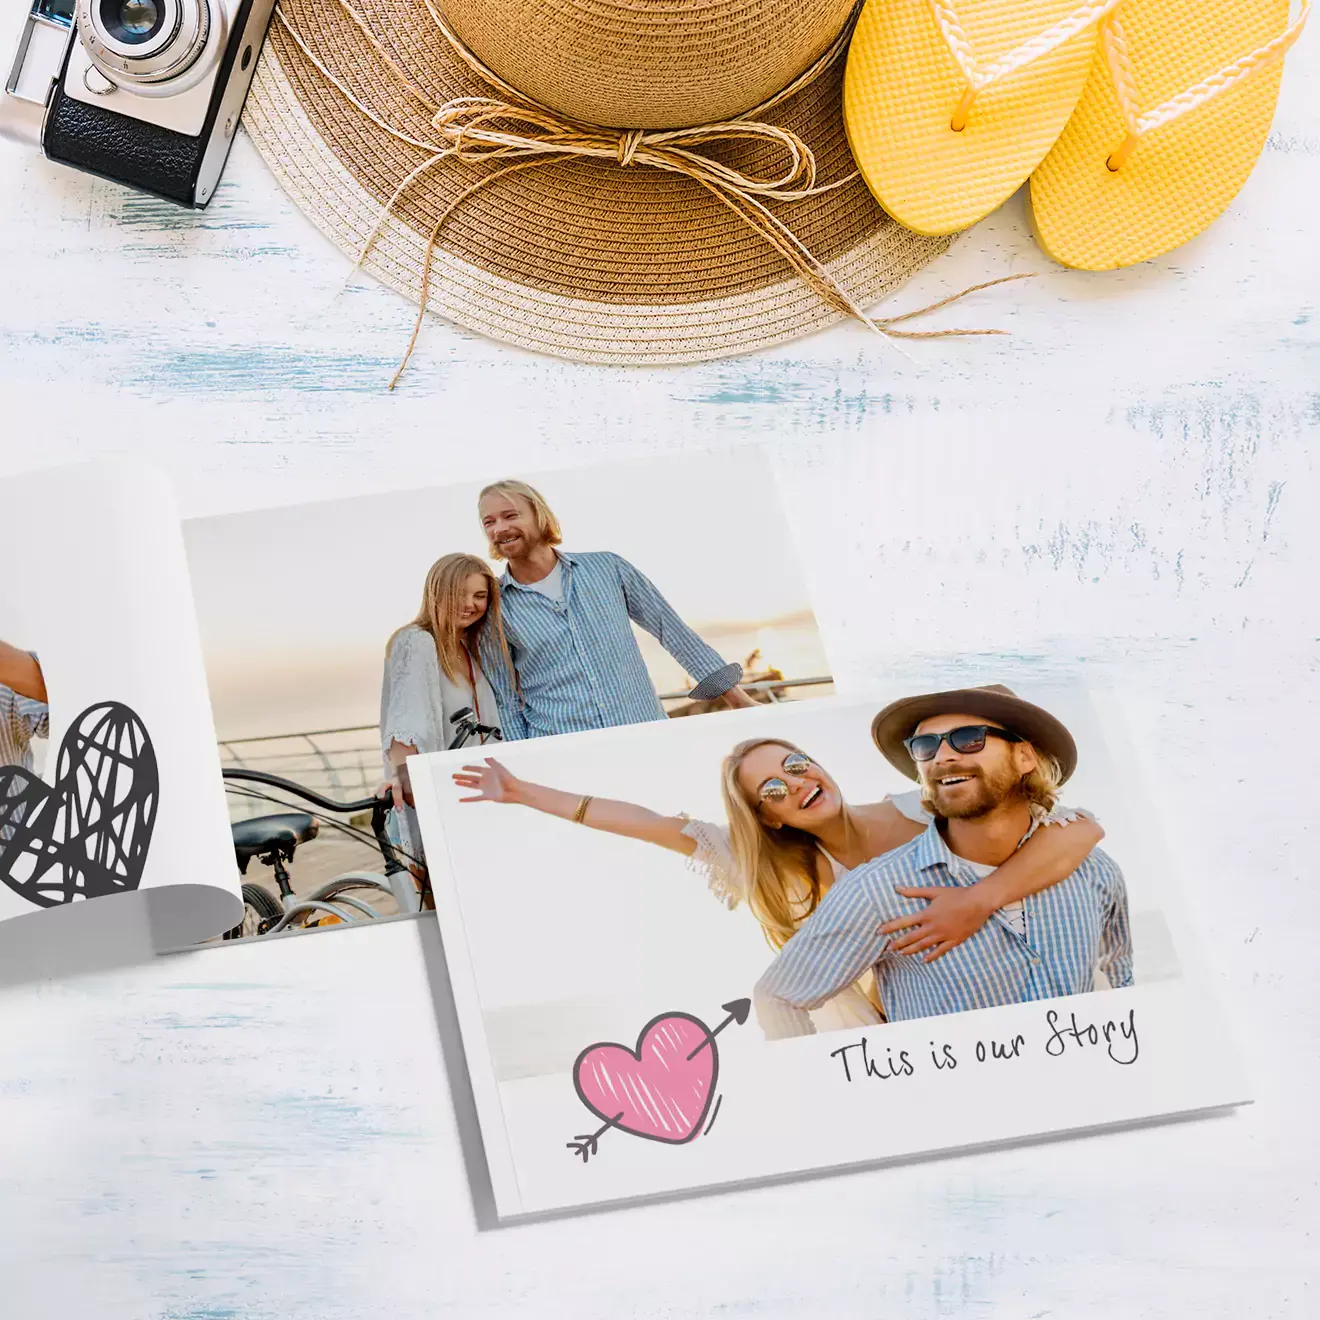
[[990, 767], [568, 625]]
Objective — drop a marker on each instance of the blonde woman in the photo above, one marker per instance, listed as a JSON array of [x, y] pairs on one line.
[[433, 673], [790, 834]]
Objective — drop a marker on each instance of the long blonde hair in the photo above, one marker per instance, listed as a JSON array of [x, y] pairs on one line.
[[782, 866], [546, 522], [442, 605]]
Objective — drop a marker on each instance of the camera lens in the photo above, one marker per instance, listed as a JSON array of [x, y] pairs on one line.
[[153, 47], [132, 22]]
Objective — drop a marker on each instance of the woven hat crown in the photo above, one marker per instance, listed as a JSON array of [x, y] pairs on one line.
[[648, 63]]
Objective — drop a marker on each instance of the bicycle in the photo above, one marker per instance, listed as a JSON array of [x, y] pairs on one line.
[[274, 839]]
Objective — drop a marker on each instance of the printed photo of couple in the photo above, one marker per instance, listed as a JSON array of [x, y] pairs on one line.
[[937, 854], [519, 608]]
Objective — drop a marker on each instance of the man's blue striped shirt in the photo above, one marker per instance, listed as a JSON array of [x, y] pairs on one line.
[[1071, 928], [578, 663]]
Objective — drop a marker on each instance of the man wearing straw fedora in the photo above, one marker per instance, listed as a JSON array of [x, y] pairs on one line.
[[990, 766], [568, 625]]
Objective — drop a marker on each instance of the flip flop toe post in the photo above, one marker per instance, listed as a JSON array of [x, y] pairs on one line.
[[1171, 122], [950, 104]]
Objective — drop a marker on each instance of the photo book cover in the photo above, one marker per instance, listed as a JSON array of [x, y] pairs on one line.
[[813, 935]]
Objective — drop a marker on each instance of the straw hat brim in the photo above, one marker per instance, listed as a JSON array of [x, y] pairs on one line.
[[997, 704], [584, 260]]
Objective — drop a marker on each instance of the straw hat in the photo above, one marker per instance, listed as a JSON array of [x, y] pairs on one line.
[[994, 702], [595, 258]]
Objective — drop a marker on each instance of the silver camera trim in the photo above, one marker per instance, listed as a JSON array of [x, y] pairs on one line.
[[42, 44]]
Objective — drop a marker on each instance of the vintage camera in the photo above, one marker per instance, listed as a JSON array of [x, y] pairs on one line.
[[144, 92]]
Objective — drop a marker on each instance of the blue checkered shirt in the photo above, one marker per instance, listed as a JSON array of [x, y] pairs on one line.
[[578, 663], [1071, 928]]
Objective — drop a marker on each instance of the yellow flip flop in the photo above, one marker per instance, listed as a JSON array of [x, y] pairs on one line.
[[1169, 126], [950, 104]]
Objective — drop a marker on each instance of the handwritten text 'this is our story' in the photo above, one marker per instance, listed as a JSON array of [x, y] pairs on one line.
[[1064, 1034]]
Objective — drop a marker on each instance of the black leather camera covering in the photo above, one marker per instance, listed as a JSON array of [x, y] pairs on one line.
[[125, 150], [157, 160]]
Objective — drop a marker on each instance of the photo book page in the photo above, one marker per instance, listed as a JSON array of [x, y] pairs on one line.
[[114, 842], [218, 715], [344, 637], [677, 951]]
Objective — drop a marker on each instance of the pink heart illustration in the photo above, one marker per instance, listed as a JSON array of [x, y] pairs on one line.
[[662, 1089]]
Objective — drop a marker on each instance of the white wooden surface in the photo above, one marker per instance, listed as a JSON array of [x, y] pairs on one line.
[[1129, 481]]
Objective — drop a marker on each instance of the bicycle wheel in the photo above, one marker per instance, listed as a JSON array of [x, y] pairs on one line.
[[261, 910], [366, 882]]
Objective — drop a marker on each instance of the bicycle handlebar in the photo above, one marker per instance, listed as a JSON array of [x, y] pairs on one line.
[[378, 806], [325, 803]]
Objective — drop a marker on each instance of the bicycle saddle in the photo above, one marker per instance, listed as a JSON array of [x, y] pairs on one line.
[[267, 834]]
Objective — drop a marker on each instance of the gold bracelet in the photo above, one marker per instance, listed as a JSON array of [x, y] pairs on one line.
[[581, 813]]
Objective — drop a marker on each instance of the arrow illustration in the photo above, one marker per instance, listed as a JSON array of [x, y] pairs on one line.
[[584, 1143], [737, 1009]]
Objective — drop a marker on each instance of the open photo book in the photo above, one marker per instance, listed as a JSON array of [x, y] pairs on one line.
[[706, 922], [205, 725]]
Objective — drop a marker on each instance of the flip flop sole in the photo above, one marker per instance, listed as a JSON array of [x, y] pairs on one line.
[[903, 84], [1179, 177]]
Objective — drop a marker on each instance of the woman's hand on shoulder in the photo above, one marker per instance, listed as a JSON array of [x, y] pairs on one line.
[[950, 916], [492, 782]]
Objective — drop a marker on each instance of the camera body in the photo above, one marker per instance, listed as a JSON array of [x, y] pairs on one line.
[[144, 92]]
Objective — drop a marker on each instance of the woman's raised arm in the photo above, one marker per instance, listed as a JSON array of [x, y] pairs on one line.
[[952, 914], [494, 782]]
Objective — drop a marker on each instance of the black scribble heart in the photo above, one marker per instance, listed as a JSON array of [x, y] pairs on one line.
[[89, 834]]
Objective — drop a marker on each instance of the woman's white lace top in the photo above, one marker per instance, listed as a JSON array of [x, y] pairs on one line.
[[418, 699]]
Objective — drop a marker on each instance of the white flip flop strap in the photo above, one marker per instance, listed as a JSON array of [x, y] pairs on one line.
[[1140, 122], [978, 79]]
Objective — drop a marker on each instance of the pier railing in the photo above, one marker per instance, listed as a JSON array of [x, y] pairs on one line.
[[346, 762]]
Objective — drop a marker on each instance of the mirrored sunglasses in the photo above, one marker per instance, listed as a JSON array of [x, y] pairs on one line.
[[775, 790]]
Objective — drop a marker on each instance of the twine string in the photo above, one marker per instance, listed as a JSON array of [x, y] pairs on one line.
[[514, 127]]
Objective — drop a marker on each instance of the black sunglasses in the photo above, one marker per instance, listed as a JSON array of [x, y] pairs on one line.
[[966, 738]]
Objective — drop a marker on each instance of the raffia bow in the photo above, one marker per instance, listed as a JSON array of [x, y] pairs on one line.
[[478, 130]]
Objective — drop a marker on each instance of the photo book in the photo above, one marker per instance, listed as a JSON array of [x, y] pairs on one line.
[[706, 921], [209, 721], [677, 963]]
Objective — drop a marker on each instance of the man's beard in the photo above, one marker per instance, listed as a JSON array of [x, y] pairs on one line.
[[522, 545], [994, 788]]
